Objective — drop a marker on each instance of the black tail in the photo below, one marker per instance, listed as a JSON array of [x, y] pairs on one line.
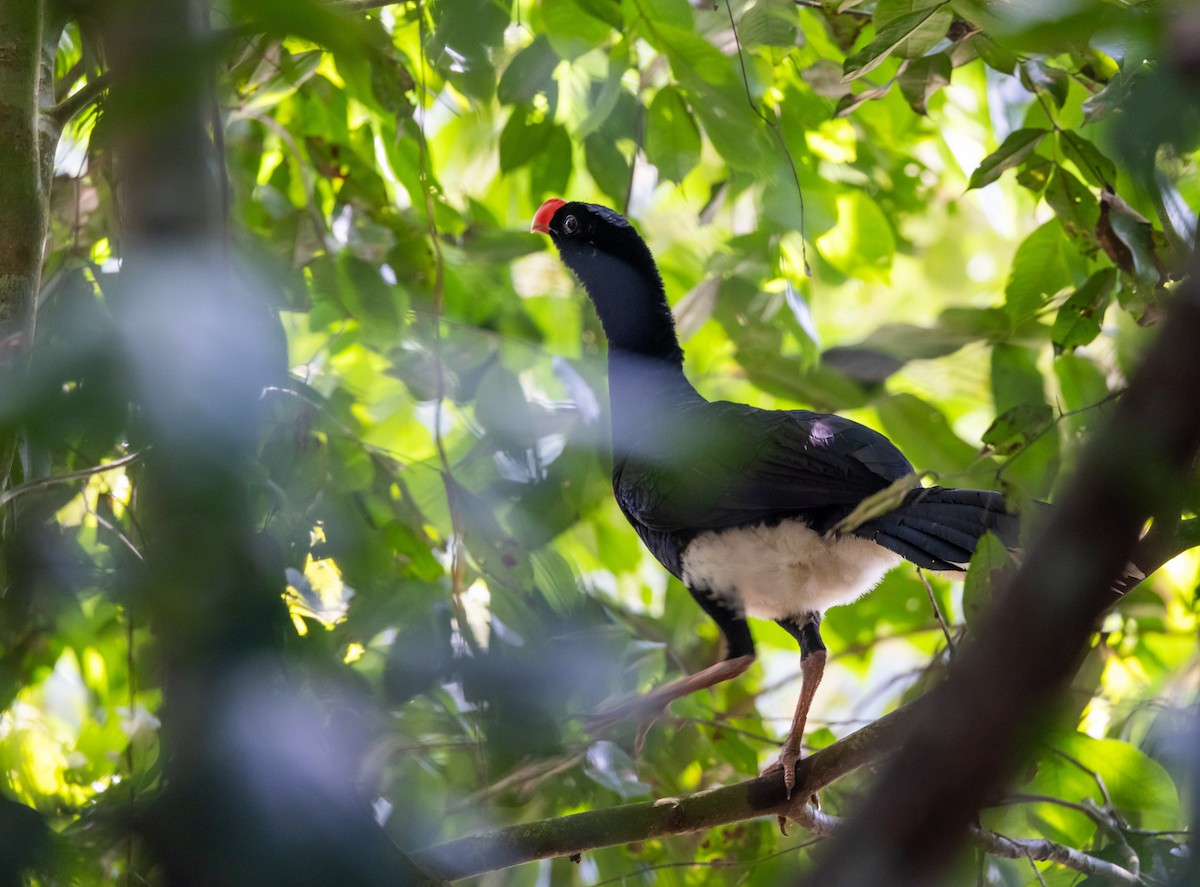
[[937, 528]]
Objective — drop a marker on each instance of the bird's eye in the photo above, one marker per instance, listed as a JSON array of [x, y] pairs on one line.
[[570, 225]]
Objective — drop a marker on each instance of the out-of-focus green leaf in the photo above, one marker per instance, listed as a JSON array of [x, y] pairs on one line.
[[1096, 168], [993, 54], [769, 23], [1074, 204], [1080, 381], [1039, 270], [1078, 320], [525, 136], [991, 565], [862, 244], [672, 138], [1047, 79], [1141, 790], [529, 73], [1018, 427], [924, 435], [909, 28], [607, 166], [922, 78], [1012, 152], [464, 32]]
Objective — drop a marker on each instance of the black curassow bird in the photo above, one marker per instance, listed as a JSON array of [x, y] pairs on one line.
[[743, 505]]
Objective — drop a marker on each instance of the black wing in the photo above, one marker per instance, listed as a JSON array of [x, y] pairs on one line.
[[729, 465]]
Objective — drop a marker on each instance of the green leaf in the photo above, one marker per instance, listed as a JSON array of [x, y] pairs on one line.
[[990, 565], [1016, 379], [923, 77], [610, 94], [993, 54], [286, 76], [861, 244], [524, 136], [1080, 382], [1035, 173], [1078, 320], [1075, 205], [921, 431], [571, 29], [1039, 270], [769, 23], [1141, 790], [607, 166], [1017, 384], [464, 33], [910, 35], [672, 137], [1037, 77], [1014, 150], [1094, 166], [550, 171], [529, 73], [1018, 427], [1140, 256]]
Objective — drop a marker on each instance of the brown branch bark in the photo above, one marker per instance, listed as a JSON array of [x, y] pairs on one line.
[[564, 836], [1034, 849], [973, 730]]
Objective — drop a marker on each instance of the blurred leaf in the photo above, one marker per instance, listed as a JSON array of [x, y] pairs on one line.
[[923, 77], [529, 73], [672, 137], [993, 54], [862, 244], [1012, 152], [1039, 270], [1074, 204], [1039, 77], [1139, 786], [607, 166], [1078, 320], [1081, 383], [991, 565], [1018, 427], [524, 137], [909, 28], [1096, 168], [769, 23], [923, 433]]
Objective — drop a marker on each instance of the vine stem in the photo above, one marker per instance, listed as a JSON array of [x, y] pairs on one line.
[[439, 294], [774, 127]]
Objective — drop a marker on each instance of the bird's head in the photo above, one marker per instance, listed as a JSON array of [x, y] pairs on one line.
[[616, 268], [584, 231]]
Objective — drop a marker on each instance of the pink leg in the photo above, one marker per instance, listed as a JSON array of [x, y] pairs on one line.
[[812, 667]]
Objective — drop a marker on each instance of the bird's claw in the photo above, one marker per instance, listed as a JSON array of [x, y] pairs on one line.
[[787, 763]]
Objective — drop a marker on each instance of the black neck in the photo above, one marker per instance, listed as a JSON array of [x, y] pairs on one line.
[[645, 362], [628, 294]]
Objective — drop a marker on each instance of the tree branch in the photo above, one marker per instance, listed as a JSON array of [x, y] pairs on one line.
[[763, 796], [80, 99], [1034, 849]]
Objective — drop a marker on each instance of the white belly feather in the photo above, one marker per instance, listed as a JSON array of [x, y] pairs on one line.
[[784, 570]]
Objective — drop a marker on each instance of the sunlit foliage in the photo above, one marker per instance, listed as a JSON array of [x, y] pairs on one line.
[[955, 222]]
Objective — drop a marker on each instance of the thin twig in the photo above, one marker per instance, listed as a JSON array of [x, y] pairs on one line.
[[937, 611], [67, 477], [774, 127]]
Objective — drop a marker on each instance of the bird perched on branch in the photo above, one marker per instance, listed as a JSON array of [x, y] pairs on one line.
[[775, 514]]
